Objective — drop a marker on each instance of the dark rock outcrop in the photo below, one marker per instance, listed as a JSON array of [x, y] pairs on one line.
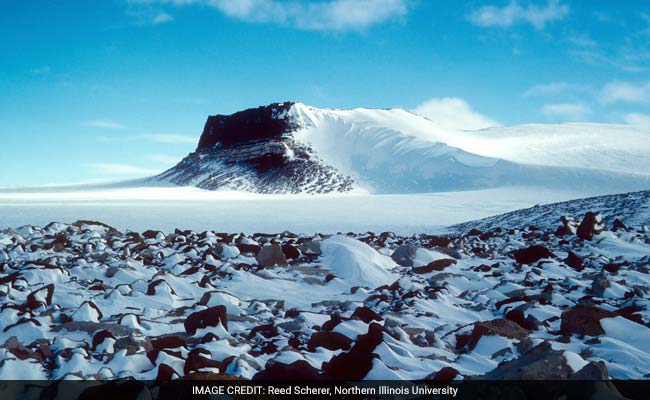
[[252, 124], [255, 151]]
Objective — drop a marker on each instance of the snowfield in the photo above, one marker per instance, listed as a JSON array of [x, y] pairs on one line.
[[136, 207]]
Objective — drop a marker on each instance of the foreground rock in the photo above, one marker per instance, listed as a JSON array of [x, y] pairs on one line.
[[85, 300]]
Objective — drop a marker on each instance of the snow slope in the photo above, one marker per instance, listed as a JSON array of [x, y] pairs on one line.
[[395, 151], [632, 208]]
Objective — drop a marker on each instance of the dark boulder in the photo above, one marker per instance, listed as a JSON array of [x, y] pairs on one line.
[[474, 232], [248, 248], [99, 337], [599, 285], [168, 342], [209, 317], [41, 296], [267, 331], [532, 254], [584, 320], [290, 251], [366, 315], [330, 324], [594, 371], [200, 358], [271, 255], [500, 327], [574, 261], [329, 340], [310, 248], [618, 224], [404, 255], [369, 341], [516, 316], [151, 288], [437, 265], [540, 363], [351, 366], [296, 371], [151, 234], [446, 374], [165, 373], [590, 226]]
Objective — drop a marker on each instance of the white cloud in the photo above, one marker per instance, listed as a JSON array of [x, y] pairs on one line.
[[513, 13], [334, 15], [454, 113], [582, 40], [637, 119], [103, 124], [122, 169], [162, 18], [552, 88], [570, 111], [620, 91]]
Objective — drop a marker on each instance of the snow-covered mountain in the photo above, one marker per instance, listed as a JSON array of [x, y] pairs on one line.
[[292, 147]]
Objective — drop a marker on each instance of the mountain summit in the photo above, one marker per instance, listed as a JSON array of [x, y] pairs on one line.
[[295, 148], [254, 150]]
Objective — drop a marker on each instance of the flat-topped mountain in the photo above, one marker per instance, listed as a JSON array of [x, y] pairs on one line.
[[294, 148]]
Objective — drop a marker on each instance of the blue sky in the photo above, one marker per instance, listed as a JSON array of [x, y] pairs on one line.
[[96, 90]]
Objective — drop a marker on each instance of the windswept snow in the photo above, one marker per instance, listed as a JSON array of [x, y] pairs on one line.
[[395, 151], [192, 208]]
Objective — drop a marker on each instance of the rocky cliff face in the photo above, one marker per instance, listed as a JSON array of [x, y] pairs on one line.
[[262, 123], [254, 150]]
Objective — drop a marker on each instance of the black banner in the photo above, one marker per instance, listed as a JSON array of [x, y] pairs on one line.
[[241, 389]]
